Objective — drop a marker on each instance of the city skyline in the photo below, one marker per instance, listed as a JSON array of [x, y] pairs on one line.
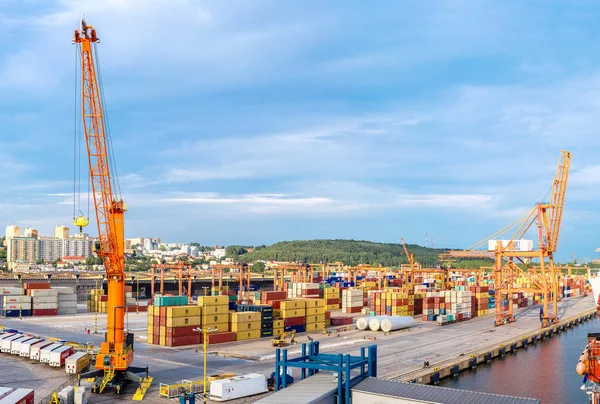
[[310, 121]]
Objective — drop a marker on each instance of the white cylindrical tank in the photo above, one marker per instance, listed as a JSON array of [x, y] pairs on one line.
[[363, 322], [397, 323], [375, 322]]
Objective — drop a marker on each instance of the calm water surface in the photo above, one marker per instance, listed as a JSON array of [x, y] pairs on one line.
[[545, 371]]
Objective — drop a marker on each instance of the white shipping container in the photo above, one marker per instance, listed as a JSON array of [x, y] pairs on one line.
[[15, 347], [45, 299], [18, 396], [43, 292], [59, 355], [16, 299], [67, 305], [17, 306], [45, 352], [512, 245], [5, 391], [63, 290], [26, 346], [34, 351], [237, 387], [43, 306], [10, 291], [70, 310], [67, 298], [5, 347]]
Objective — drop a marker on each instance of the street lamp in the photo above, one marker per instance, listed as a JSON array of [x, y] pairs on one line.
[[204, 332]]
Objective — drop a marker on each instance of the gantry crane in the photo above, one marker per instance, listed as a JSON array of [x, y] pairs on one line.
[[511, 261], [113, 362], [411, 262]]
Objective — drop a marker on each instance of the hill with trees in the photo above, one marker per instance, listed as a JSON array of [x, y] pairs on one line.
[[350, 252]]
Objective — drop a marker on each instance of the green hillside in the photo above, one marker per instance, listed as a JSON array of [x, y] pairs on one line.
[[350, 252]]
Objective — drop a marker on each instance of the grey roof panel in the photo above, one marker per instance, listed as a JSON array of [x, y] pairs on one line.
[[435, 394], [303, 391]]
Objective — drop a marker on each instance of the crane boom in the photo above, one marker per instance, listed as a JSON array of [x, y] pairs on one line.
[[557, 199], [117, 352]]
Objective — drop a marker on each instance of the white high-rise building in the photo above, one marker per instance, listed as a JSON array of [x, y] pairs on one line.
[[30, 232], [12, 231], [51, 249], [61, 232]]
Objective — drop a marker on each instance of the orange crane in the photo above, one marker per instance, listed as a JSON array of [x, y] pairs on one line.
[[113, 362], [411, 262]]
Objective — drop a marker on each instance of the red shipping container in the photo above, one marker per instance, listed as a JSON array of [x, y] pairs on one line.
[[103, 298], [128, 288], [337, 321], [45, 312], [333, 301], [274, 295], [163, 322], [220, 337], [275, 303], [182, 331], [163, 312], [36, 285], [20, 396], [353, 309], [143, 308], [293, 321], [156, 331], [327, 315], [184, 340]]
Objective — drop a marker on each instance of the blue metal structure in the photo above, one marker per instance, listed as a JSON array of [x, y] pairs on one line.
[[311, 362]]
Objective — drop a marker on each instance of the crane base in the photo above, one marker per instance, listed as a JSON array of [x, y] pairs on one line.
[[118, 380]]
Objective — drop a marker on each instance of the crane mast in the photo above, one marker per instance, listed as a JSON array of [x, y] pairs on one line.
[[116, 353]]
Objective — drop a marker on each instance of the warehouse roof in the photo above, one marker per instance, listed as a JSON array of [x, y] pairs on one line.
[[434, 394], [304, 391]]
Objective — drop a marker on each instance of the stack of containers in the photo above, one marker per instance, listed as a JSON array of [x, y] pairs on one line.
[[13, 304], [266, 317], [171, 322], [44, 302], [418, 299], [332, 298], [215, 315], [303, 289], [293, 313], [480, 300], [315, 314], [97, 301], [352, 300], [273, 298], [246, 325], [67, 300], [278, 327]]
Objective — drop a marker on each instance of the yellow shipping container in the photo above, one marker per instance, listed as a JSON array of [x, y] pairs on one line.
[[293, 313], [220, 327], [150, 329], [314, 303], [150, 319], [163, 331], [183, 311], [213, 301], [183, 321], [246, 335], [315, 326], [156, 311], [163, 340], [333, 307], [248, 326], [331, 291], [246, 316], [327, 322], [276, 312], [213, 310], [214, 319], [315, 319], [315, 310], [277, 332], [292, 304], [278, 323]]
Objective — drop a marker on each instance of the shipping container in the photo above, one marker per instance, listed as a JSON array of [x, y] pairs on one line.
[[77, 363], [19, 396], [44, 355], [26, 346], [4, 391], [6, 342], [237, 387], [220, 337], [34, 351], [59, 355], [15, 346]]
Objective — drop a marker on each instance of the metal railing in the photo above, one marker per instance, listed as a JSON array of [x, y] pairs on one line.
[[69, 382]]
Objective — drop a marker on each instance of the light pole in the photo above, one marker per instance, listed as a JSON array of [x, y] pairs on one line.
[[21, 297], [137, 293], [204, 332]]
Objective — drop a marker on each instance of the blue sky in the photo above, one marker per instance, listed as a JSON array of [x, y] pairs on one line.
[[257, 121]]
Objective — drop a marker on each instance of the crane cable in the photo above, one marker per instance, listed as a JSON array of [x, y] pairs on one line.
[[77, 146]]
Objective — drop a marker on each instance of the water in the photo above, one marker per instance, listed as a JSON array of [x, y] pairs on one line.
[[545, 371]]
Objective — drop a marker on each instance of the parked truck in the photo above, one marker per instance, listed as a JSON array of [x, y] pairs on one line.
[[34, 351], [59, 355], [77, 363], [15, 347], [19, 396], [238, 387], [6, 342], [45, 352], [26, 346]]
